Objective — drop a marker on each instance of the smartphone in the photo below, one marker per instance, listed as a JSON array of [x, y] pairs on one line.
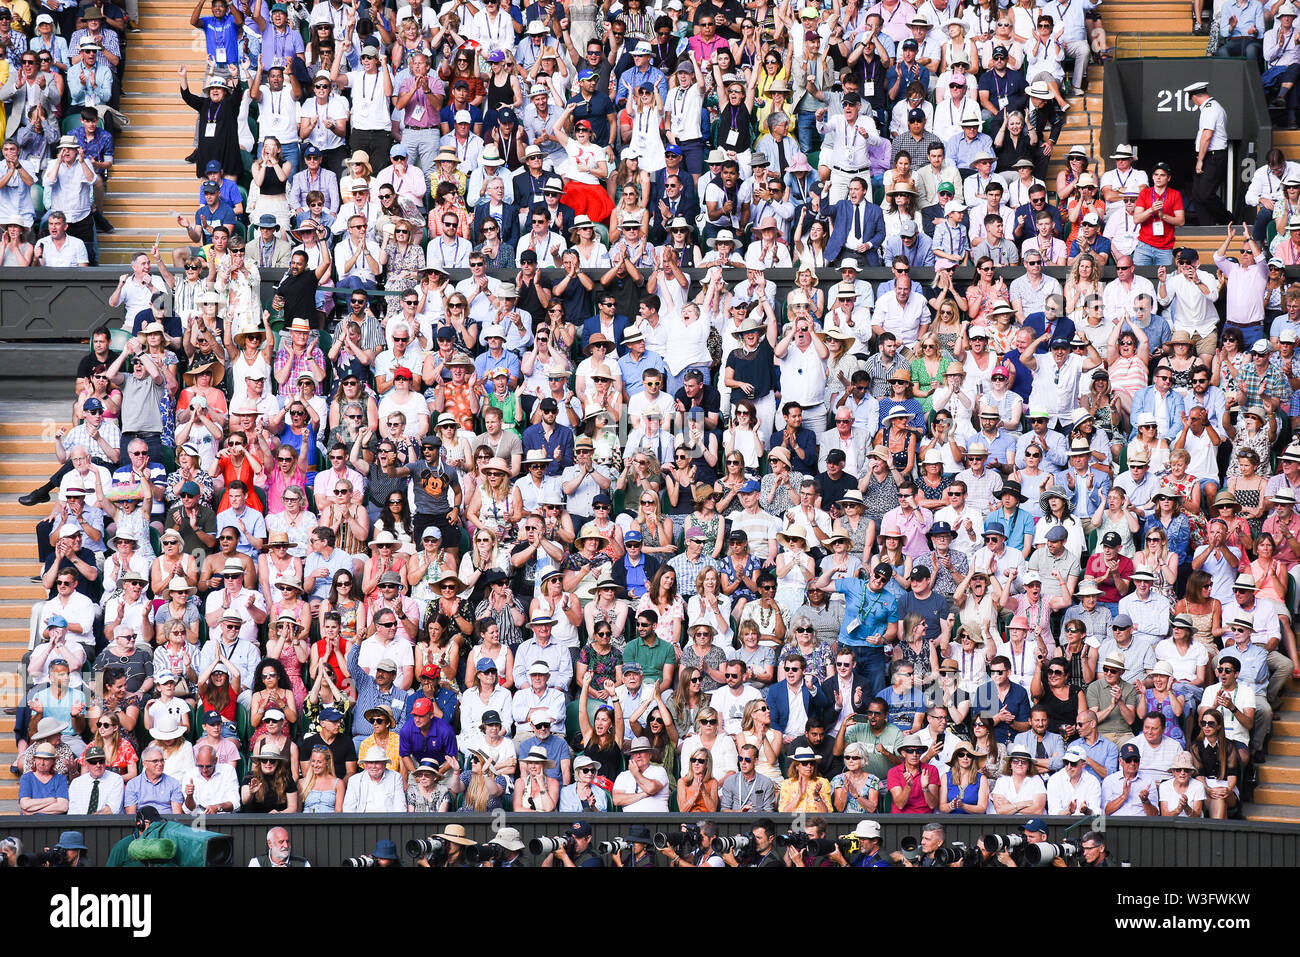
[[860, 717]]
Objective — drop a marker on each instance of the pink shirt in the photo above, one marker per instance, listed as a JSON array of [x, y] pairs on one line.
[[913, 529], [915, 803]]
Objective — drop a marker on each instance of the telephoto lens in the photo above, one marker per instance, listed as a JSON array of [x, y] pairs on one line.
[[616, 846], [1045, 852], [996, 843], [732, 845], [547, 845], [365, 860], [425, 846], [677, 840]]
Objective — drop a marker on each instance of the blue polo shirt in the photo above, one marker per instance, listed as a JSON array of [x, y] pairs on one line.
[[986, 701], [865, 612], [439, 742], [141, 792], [222, 38], [1017, 527], [1104, 752]]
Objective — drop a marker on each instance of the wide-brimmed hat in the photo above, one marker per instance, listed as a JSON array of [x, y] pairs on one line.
[[456, 834], [795, 533], [384, 537], [1013, 488], [167, 728], [48, 727], [1056, 491], [216, 369], [537, 755]]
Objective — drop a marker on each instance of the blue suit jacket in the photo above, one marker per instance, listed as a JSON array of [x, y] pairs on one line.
[[592, 326], [873, 225], [509, 222], [778, 702], [1172, 424]]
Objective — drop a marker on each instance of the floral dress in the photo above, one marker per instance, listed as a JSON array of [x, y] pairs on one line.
[[167, 404], [1195, 519], [411, 261], [872, 783], [504, 259]]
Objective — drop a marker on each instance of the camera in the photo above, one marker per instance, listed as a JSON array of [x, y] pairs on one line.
[[433, 848], [365, 860], [910, 848], [482, 853], [616, 846], [549, 845], [732, 845], [678, 840], [996, 843], [800, 841], [1043, 854], [947, 855], [50, 857]]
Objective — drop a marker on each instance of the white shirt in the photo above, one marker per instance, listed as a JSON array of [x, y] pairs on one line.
[[372, 652], [1194, 310], [1061, 791], [223, 786], [1030, 788], [1156, 760], [653, 803], [369, 104], [384, 796], [277, 114], [1214, 119], [904, 321], [1266, 184], [112, 789], [1053, 392], [1117, 299], [803, 376], [731, 706]]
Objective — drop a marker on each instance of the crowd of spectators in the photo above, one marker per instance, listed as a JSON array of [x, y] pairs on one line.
[[516, 492]]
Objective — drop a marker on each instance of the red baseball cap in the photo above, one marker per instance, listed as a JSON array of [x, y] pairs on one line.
[[423, 706], [431, 671]]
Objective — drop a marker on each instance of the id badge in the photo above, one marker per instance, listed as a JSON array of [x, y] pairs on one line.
[[1158, 228], [868, 90], [221, 54], [417, 114], [733, 137], [853, 626], [1002, 102], [209, 130]]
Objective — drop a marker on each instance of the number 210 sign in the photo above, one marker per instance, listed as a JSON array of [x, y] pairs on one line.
[[1174, 101]]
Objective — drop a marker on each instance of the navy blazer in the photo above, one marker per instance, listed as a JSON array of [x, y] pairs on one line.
[[592, 326], [509, 222], [687, 207], [831, 685], [778, 703], [873, 224]]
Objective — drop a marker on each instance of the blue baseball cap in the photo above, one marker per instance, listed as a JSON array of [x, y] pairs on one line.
[[586, 74], [56, 621], [397, 150], [331, 714], [1036, 825], [92, 405], [674, 149], [580, 829], [750, 486], [994, 528], [485, 664], [214, 166], [632, 536], [312, 151]]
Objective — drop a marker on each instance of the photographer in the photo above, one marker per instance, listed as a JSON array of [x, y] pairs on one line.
[[455, 841], [808, 853], [1094, 851], [576, 851], [511, 845], [868, 854], [695, 848], [762, 850], [932, 839], [640, 854], [385, 854]]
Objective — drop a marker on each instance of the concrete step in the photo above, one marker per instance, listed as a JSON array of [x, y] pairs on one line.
[[1287, 795], [154, 202], [1135, 45], [1276, 773], [1284, 745]]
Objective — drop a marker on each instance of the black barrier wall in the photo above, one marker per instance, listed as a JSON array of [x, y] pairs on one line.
[[64, 305], [326, 840]]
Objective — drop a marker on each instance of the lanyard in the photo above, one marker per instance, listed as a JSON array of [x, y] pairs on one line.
[[365, 96]]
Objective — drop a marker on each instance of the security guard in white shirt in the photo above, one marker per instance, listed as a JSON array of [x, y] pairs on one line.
[[1211, 158]]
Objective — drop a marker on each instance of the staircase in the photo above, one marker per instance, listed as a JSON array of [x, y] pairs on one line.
[[25, 461], [1153, 28], [151, 182]]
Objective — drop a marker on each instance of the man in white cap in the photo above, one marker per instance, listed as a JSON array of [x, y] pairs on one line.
[[534, 697], [1120, 178], [70, 179], [1070, 791], [376, 790], [1212, 145], [541, 648]]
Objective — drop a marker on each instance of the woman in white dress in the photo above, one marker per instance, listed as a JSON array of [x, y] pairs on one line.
[[646, 108], [1019, 792]]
